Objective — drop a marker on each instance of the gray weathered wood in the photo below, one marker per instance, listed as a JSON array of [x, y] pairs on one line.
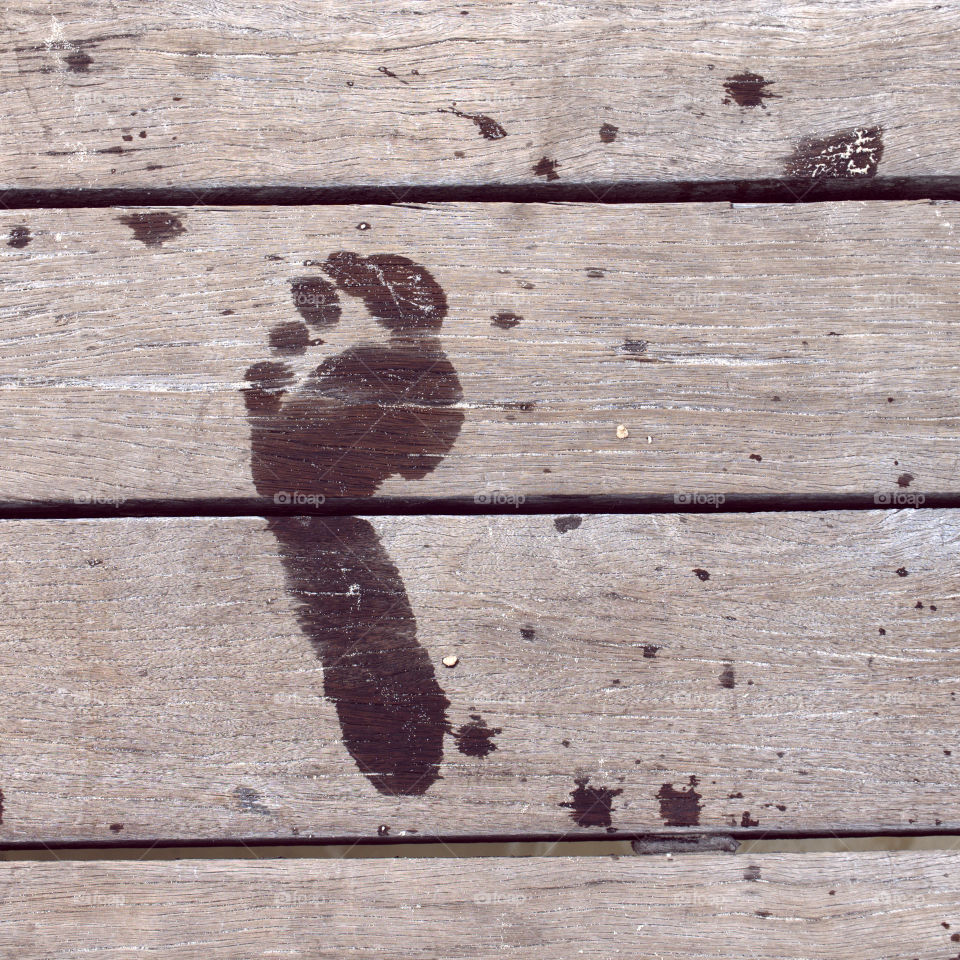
[[762, 350], [839, 906], [783, 671], [499, 92]]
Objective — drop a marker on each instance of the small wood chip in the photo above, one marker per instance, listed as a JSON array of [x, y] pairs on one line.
[[622, 432], [451, 661]]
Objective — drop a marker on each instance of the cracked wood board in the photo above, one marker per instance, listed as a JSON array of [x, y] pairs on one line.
[[615, 675], [485, 352]]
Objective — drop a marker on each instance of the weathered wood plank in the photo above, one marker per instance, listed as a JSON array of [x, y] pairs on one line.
[[761, 350], [500, 92], [839, 906], [167, 678]]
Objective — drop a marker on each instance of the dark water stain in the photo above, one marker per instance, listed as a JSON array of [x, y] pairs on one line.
[[566, 524], [505, 320], [316, 301], [2, 800], [745, 820], [847, 154], [752, 872], [728, 677], [902, 571], [383, 830], [595, 272], [748, 90], [650, 651], [249, 801], [403, 295], [762, 913], [475, 739], [153, 229], [547, 168], [680, 808], [291, 337], [488, 127], [19, 237], [608, 133], [78, 61], [528, 633], [701, 573], [368, 413], [116, 827], [115, 150], [591, 806], [904, 480], [756, 457], [353, 607]]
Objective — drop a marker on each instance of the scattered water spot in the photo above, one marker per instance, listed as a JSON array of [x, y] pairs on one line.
[[153, 229], [19, 237], [846, 154], [748, 90], [608, 133], [566, 524], [116, 827], [650, 651], [528, 633], [505, 320], [752, 872], [475, 739], [591, 806], [680, 808], [701, 573], [547, 168], [728, 677], [488, 128], [904, 480]]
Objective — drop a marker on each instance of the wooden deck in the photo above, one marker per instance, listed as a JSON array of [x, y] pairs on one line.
[[489, 423]]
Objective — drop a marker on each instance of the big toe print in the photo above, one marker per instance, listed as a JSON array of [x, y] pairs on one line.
[[366, 414]]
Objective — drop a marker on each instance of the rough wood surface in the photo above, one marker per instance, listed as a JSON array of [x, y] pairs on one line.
[[766, 350], [840, 906], [185, 679], [319, 93]]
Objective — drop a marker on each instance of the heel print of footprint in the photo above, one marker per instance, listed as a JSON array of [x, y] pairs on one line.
[[360, 417]]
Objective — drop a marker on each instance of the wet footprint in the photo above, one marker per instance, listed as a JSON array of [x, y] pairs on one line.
[[368, 413]]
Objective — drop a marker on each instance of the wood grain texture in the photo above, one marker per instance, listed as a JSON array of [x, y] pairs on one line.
[[97, 94], [637, 673], [840, 906], [766, 350]]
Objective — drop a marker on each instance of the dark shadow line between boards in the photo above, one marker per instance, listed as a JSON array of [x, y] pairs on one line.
[[710, 503], [770, 190], [687, 839]]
